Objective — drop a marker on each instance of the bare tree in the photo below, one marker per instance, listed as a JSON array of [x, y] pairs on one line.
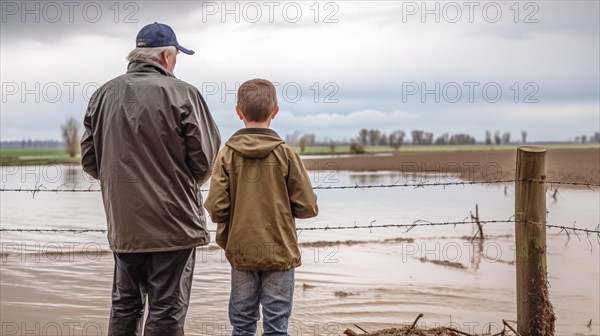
[[417, 137], [302, 144], [488, 137], [70, 135], [461, 139], [524, 136], [362, 136], [310, 138], [427, 138], [396, 139], [374, 137], [442, 139], [497, 138], [383, 140], [292, 139], [506, 138], [356, 147]]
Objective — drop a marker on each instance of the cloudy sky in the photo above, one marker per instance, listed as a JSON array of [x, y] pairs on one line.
[[457, 67]]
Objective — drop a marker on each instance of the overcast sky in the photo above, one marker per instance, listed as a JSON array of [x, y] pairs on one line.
[[457, 67]]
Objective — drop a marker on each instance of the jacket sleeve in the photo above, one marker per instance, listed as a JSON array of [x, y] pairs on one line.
[[303, 200], [217, 203], [201, 136], [88, 150]]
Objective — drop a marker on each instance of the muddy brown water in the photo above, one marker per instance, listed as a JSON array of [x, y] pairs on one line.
[[53, 283]]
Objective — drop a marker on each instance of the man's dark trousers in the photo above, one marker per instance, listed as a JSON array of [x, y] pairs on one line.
[[165, 279]]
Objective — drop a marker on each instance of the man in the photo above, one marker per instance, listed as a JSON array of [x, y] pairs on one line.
[[151, 140]]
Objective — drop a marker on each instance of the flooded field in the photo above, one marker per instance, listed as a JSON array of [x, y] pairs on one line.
[[376, 278]]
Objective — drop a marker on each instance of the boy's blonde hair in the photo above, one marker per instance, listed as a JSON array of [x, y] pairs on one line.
[[257, 99]]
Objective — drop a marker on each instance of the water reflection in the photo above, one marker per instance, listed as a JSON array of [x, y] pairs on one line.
[[72, 176], [387, 273], [46, 176], [477, 253], [390, 177]]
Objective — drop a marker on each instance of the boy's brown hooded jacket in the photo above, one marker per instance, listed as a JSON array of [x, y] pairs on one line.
[[258, 186]]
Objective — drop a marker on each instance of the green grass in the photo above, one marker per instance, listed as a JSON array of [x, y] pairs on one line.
[[35, 156], [9, 153]]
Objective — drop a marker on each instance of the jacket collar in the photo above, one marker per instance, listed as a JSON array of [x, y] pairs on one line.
[[252, 130], [148, 66]]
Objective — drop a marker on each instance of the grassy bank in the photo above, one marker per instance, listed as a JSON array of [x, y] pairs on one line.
[[36, 156]]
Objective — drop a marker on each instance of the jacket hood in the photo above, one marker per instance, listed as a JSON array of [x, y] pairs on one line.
[[254, 143]]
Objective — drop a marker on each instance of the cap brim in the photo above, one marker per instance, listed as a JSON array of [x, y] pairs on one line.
[[184, 50]]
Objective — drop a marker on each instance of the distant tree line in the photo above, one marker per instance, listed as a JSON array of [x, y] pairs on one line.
[[398, 138], [594, 138], [70, 132], [499, 139], [30, 143], [395, 139]]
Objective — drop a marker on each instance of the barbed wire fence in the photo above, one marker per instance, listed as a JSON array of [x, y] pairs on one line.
[[524, 183], [567, 230], [61, 189], [408, 226]]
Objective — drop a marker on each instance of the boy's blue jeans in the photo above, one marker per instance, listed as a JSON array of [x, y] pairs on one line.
[[273, 290]]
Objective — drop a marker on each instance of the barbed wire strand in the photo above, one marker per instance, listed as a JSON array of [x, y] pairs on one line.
[[574, 230], [409, 227], [41, 188], [371, 225]]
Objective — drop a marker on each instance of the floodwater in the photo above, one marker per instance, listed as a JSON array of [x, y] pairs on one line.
[[60, 283]]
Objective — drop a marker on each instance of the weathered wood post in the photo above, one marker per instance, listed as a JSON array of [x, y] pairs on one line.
[[535, 316]]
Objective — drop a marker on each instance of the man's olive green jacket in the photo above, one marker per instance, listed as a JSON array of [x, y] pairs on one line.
[[150, 140]]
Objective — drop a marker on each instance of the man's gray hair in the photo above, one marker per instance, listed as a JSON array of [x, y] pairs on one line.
[[149, 54]]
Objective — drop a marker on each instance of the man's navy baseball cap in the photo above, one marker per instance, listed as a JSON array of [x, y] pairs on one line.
[[157, 35]]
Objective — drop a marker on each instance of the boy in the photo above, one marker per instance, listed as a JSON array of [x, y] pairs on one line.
[[258, 186]]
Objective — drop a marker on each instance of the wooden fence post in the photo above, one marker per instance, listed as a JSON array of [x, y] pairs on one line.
[[535, 315]]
